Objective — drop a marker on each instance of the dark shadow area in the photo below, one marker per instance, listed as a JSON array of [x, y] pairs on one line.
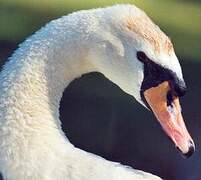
[[100, 118]]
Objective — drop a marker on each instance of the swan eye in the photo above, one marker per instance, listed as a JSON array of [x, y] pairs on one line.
[[142, 57]]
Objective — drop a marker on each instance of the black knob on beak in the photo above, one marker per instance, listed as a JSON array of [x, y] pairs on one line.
[[179, 87]]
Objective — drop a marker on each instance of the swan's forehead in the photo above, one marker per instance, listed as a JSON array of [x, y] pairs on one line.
[[144, 27]]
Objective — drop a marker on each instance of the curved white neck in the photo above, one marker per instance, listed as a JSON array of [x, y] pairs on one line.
[[35, 80], [31, 87]]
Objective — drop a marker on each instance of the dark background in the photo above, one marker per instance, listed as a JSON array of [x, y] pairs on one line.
[[100, 118]]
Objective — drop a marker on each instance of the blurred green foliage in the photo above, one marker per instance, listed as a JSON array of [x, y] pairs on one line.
[[180, 19]]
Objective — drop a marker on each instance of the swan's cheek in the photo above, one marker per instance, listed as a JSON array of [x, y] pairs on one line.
[[170, 117]]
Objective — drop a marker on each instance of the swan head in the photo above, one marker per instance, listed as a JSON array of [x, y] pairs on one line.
[[136, 55]]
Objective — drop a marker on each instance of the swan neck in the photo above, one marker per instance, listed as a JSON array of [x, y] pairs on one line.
[[34, 79]]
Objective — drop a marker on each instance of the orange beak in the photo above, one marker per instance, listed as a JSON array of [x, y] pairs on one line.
[[168, 113]]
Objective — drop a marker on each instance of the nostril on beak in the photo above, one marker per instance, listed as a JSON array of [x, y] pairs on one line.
[[191, 149]]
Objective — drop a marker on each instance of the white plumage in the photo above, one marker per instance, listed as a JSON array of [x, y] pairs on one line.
[[32, 144]]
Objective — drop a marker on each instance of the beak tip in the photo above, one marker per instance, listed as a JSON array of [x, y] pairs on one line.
[[191, 150]]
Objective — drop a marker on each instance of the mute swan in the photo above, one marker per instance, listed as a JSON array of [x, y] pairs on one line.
[[122, 43]]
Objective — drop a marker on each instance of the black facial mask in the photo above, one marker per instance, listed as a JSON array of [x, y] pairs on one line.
[[155, 74]]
